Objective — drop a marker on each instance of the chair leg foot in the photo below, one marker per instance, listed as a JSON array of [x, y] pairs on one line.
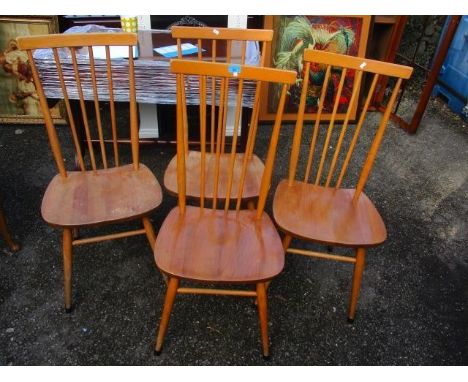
[[69, 310], [350, 320], [157, 353], [266, 357], [14, 247], [168, 304], [263, 317]]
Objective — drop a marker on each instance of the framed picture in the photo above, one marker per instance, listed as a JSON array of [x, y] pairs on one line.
[[293, 34], [19, 102]]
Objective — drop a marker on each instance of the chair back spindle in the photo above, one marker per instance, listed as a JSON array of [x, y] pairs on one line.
[[224, 42], [112, 106], [318, 207], [224, 47], [333, 151], [199, 72], [84, 77], [71, 120]]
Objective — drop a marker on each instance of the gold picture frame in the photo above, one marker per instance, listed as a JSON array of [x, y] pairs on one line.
[[19, 102], [348, 35]]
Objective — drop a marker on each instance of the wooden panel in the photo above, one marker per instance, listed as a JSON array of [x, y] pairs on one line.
[[357, 63], [77, 40], [193, 175], [238, 34], [327, 215], [93, 198], [211, 245], [223, 70]]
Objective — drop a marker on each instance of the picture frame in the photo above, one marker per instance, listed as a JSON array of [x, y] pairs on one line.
[[340, 34], [19, 102]]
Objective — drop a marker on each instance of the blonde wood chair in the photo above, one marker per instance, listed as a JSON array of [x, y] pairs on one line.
[[316, 207], [93, 196], [4, 230], [219, 45], [226, 245]]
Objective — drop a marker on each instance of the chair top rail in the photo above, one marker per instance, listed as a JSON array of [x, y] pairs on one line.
[[233, 71], [77, 40], [212, 33], [358, 63]]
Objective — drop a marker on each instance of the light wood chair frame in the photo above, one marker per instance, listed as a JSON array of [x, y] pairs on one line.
[[228, 36], [183, 68], [361, 66], [74, 42]]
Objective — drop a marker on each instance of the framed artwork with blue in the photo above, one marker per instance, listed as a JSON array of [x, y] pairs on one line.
[[293, 34]]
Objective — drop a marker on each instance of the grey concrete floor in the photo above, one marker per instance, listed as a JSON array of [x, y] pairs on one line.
[[414, 298]]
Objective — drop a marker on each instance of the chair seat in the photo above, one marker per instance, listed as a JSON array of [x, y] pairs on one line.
[[104, 196], [209, 245], [327, 215], [253, 177]]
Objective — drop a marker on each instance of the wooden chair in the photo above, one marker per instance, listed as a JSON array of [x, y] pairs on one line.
[[14, 247], [219, 45], [321, 210], [228, 245], [96, 196]]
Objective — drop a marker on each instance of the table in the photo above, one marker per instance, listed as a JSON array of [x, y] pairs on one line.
[[154, 82]]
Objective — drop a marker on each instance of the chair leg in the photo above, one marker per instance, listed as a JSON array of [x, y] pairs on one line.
[[150, 234], [168, 303], [286, 242], [263, 316], [76, 233], [357, 277], [67, 267], [251, 205], [6, 233]]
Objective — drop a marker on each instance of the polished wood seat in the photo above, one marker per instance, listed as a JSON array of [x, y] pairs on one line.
[[104, 196], [327, 215], [253, 176], [209, 245]]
